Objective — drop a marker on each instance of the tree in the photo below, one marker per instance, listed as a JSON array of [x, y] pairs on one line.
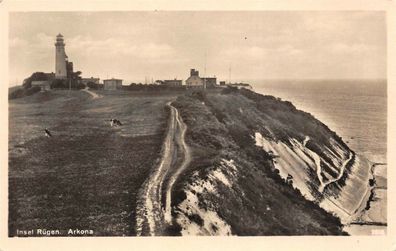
[[75, 80], [94, 86], [59, 84]]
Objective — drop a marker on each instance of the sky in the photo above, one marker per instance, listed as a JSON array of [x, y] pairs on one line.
[[166, 45]]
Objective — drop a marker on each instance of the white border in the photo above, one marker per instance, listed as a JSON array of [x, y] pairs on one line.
[[196, 243]]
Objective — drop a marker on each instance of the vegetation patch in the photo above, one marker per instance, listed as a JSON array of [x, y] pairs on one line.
[[196, 218]]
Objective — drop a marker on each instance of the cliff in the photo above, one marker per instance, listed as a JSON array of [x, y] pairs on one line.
[[261, 167]]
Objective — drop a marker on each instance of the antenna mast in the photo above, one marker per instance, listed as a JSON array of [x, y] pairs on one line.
[[205, 73], [229, 75]]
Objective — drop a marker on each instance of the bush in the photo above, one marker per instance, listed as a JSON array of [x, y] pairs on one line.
[[200, 95], [229, 89], [152, 88], [58, 84], [78, 86], [64, 84], [240, 135], [94, 86], [20, 93], [32, 90]]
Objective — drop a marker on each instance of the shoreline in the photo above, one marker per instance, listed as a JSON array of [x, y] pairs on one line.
[[362, 222]]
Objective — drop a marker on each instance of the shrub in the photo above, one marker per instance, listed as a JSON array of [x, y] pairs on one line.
[[78, 86], [20, 93], [94, 86], [32, 90], [196, 218], [58, 84], [229, 89], [152, 87], [200, 95]]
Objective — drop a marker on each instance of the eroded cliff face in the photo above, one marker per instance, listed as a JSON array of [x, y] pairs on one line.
[[262, 167], [342, 188]]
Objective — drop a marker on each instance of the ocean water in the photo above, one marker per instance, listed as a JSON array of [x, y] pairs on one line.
[[355, 110]]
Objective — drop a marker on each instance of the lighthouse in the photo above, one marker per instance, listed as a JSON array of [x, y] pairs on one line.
[[60, 58]]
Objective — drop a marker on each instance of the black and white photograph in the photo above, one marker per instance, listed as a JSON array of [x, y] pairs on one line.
[[134, 123]]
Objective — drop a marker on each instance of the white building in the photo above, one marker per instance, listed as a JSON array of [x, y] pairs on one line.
[[112, 84], [44, 85], [60, 58], [194, 81]]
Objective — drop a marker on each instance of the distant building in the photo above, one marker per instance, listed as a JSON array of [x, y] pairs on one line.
[[44, 85], [194, 81], [241, 85], [112, 84], [173, 82], [85, 81], [210, 82], [222, 83]]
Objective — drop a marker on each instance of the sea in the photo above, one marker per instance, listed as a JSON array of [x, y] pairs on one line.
[[356, 110]]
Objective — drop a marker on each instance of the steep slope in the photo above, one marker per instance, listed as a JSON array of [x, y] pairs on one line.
[[261, 167]]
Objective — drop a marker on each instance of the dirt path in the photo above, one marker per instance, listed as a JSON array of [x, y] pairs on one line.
[[94, 95], [187, 158], [152, 215]]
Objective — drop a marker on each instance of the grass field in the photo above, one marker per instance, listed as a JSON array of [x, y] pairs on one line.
[[88, 174]]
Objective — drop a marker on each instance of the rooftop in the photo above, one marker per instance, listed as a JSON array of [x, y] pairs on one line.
[[112, 79]]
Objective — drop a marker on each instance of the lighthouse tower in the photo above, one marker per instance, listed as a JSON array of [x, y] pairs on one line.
[[60, 58]]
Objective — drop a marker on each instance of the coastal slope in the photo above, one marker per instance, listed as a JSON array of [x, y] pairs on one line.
[[261, 167]]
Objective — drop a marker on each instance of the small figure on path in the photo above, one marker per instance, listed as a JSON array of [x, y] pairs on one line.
[[115, 122], [47, 133]]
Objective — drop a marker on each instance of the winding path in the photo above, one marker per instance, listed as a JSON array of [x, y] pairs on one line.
[[152, 216], [186, 161], [94, 95]]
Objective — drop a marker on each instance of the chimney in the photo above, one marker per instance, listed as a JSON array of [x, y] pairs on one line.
[[193, 72]]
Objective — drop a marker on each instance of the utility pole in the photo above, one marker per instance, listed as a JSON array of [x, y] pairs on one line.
[[205, 73], [69, 85], [229, 75]]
